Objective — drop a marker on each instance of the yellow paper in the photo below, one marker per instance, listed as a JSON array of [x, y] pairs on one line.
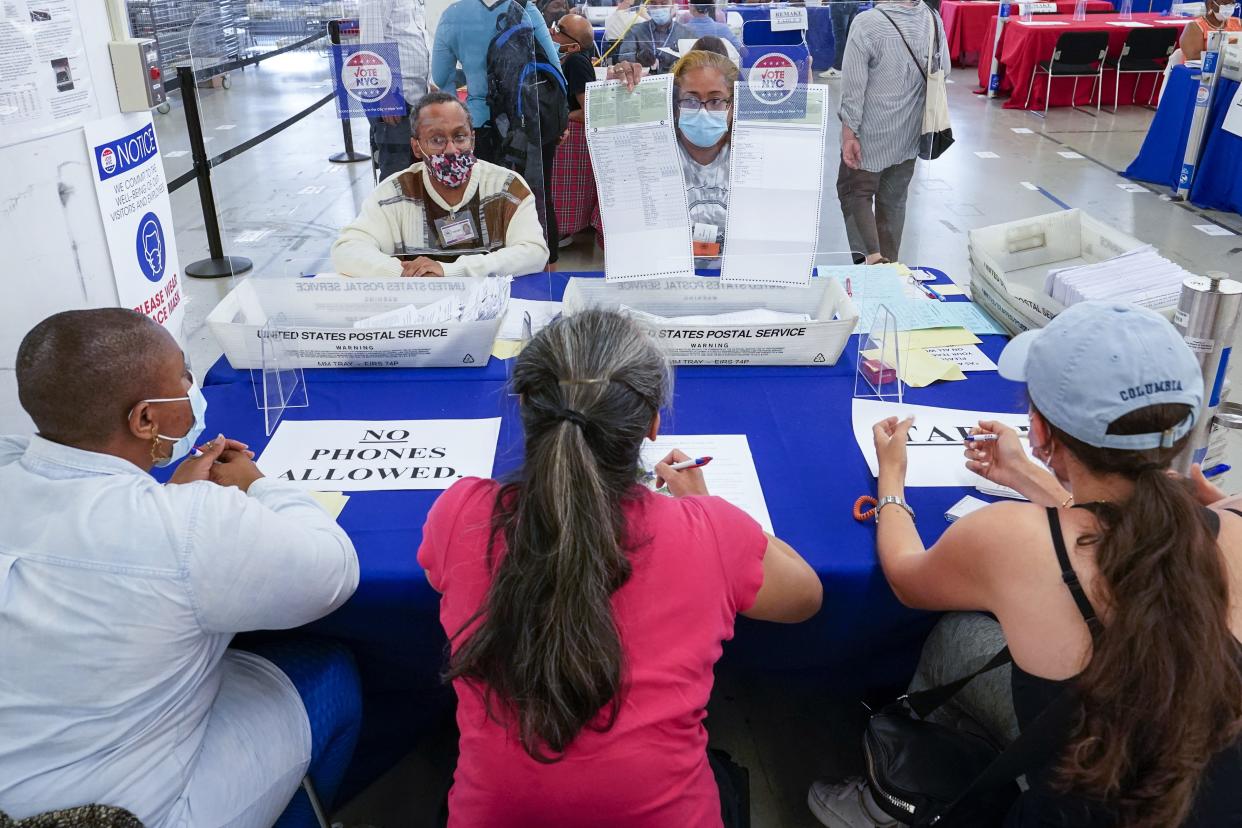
[[509, 348], [949, 290], [937, 338], [332, 502], [919, 369]]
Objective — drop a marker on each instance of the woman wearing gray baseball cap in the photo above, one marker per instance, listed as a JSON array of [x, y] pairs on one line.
[[1113, 582]]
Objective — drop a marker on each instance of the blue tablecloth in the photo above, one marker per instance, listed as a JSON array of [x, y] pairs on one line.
[[1218, 179], [799, 424]]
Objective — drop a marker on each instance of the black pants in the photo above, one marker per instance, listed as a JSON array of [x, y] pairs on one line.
[[487, 147]]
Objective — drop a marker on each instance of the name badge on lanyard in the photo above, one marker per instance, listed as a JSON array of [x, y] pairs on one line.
[[454, 230], [706, 239]]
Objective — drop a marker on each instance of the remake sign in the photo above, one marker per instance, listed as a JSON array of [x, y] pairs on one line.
[[380, 455]]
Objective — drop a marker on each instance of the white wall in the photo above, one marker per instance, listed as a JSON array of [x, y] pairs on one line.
[[435, 8], [53, 254]]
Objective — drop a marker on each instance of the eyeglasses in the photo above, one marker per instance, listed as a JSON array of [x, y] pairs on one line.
[[711, 104], [437, 143]]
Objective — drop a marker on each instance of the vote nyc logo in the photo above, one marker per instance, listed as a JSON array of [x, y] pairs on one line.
[[366, 77], [150, 247], [773, 78]]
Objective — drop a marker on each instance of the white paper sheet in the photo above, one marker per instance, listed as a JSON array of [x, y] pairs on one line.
[[913, 315], [642, 192], [380, 455], [541, 313], [935, 450], [731, 474], [776, 166], [966, 357]]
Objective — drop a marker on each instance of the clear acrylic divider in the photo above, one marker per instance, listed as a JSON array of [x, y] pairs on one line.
[[283, 381], [880, 359]]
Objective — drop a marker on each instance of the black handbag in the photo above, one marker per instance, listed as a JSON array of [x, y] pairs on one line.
[[922, 773]]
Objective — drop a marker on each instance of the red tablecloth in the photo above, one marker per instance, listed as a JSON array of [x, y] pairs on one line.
[[1023, 45], [966, 25]]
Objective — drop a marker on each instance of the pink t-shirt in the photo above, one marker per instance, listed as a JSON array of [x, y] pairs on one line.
[[703, 565]]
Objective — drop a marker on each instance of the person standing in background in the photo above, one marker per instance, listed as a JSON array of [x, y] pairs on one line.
[[703, 23], [647, 42], [882, 97], [403, 22], [573, 182]]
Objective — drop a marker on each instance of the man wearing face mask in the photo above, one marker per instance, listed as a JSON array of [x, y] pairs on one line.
[[450, 214], [653, 43], [119, 597], [1217, 17]]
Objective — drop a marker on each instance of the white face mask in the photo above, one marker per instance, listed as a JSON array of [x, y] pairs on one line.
[[1226, 11]]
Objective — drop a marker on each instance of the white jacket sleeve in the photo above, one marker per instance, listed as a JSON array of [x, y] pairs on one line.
[[365, 246], [271, 559], [525, 250]]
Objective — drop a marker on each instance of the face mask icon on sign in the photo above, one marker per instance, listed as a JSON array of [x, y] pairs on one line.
[[153, 247]]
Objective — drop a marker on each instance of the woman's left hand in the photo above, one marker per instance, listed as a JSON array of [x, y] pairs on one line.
[[891, 436]]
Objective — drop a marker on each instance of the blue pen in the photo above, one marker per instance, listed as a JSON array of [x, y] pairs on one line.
[[1216, 471]]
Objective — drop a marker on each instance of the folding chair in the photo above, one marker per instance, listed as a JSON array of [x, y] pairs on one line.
[[1145, 52], [1076, 55]]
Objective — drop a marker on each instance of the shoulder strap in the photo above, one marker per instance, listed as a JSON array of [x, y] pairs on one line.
[[1068, 575], [906, 43], [924, 702], [1038, 743]]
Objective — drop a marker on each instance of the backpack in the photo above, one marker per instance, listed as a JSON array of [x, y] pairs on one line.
[[524, 89]]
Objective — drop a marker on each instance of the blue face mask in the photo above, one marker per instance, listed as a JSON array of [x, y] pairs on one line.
[[660, 15], [183, 445], [702, 128]]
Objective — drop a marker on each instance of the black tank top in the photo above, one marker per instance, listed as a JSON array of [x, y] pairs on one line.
[[1219, 801]]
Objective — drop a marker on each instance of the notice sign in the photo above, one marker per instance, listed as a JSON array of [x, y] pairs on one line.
[[380, 455], [788, 19], [137, 216], [367, 78]]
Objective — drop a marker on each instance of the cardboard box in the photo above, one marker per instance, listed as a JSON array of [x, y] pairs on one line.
[[1009, 262], [315, 316], [818, 342]]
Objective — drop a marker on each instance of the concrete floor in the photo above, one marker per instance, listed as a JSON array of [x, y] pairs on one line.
[[281, 204]]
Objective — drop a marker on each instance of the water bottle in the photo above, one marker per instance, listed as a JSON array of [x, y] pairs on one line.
[[1127, 9], [1080, 10]]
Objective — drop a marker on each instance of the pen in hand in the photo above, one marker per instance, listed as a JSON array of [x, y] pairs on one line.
[[697, 463]]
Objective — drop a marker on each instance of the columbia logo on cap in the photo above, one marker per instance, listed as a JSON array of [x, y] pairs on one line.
[[1151, 388]]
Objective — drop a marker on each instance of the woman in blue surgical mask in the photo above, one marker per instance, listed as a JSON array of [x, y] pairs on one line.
[[703, 109]]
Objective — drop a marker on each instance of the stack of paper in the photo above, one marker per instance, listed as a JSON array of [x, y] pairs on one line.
[[538, 313], [485, 299], [1141, 277]]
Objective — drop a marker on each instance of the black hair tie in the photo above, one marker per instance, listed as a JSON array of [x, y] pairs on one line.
[[575, 417]]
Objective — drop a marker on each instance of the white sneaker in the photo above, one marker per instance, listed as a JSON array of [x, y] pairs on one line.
[[847, 804], [830, 74]]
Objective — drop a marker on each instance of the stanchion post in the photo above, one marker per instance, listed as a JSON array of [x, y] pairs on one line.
[[1199, 117], [1002, 15], [349, 156], [218, 264]]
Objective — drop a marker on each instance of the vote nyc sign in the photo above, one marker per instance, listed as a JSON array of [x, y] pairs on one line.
[[367, 80]]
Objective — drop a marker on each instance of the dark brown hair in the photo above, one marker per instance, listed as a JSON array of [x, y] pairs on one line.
[[547, 647], [1163, 690]]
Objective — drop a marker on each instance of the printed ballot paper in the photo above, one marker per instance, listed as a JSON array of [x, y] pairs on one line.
[[731, 474], [935, 449], [776, 166], [380, 455], [642, 194]]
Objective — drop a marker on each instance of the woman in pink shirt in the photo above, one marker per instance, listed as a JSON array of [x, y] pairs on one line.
[[585, 611]]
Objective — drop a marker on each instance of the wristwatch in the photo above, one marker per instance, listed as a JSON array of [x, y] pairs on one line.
[[887, 499]]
